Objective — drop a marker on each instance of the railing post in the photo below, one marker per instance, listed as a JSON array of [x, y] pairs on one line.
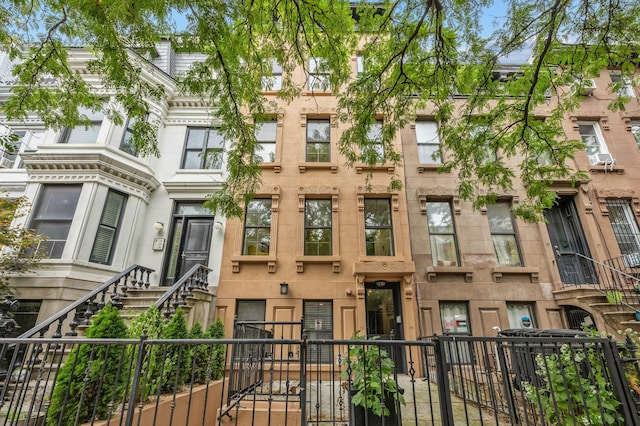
[[619, 382], [303, 378], [131, 406], [444, 392]]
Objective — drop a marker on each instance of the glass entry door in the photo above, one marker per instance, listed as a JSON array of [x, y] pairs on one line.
[[384, 315]]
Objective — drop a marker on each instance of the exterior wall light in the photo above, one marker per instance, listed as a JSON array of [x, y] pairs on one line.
[[158, 226], [284, 288], [217, 226]]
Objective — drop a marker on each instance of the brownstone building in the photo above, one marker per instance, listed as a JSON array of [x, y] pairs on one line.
[[315, 242]]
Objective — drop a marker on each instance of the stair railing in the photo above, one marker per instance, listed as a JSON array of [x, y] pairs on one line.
[[621, 287], [113, 290], [196, 278]]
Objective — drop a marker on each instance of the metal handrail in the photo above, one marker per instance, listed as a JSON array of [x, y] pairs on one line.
[[89, 297], [194, 279]]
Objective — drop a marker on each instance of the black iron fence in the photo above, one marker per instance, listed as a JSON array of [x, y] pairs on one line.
[[449, 380]]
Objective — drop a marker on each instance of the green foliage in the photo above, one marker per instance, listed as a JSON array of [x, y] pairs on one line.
[[151, 325], [18, 256], [370, 369], [566, 396], [216, 331], [416, 54], [85, 381], [176, 358]]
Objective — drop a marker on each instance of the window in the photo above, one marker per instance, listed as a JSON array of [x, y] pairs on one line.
[[521, 315], [257, 228], [592, 138], [442, 237], [428, 142], [318, 323], [454, 317], [126, 144], [9, 154], [273, 82], [503, 234], [203, 149], [84, 134], [624, 85], [104, 243], [266, 137], [378, 227], [635, 130], [318, 75], [53, 215], [27, 314], [374, 136], [251, 310], [359, 64], [318, 141], [625, 228], [317, 228]]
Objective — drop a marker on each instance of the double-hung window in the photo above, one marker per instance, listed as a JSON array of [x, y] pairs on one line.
[[592, 138], [9, 152], [428, 141], [84, 133], [318, 75], [266, 132], [635, 131], [203, 149], [442, 237], [126, 144], [273, 82], [454, 317], [521, 315], [103, 246], [53, 215], [623, 84], [318, 141], [374, 145], [378, 227], [503, 234], [257, 228], [625, 228], [317, 227]]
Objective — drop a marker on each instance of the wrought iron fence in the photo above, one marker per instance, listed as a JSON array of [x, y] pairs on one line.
[[448, 380]]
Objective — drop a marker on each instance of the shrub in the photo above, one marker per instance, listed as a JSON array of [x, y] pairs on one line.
[[216, 331], [85, 383], [566, 396], [202, 355], [150, 324], [177, 358]]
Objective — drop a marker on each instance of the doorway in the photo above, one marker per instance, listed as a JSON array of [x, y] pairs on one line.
[[568, 240], [190, 240], [384, 315]]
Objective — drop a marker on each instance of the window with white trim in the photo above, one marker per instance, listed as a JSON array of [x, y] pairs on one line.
[[202, 149], [84, 133], [52, 217], [318, 75], [625, 229], [257, 227], [521, 315], [442, 236], [318, 141], [592, 138], [266, 132], [273, 82], [623, 84], [635, 131], [428, 140], [126, 144], [103, 246], [318, 324], [503, 234], [317, 227], [378, 227], [374, 137]]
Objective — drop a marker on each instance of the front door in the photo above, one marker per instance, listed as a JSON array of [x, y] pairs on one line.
[[567, 238], [384, 315], [190, 241]]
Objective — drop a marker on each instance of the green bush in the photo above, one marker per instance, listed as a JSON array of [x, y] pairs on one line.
[[86, 380], [201, 355], [176, 358], [565, 396], [216, 331], [150, 323]]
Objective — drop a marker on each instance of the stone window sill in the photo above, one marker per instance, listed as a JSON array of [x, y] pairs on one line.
[[237, 261], [434, 271], [333, 260]]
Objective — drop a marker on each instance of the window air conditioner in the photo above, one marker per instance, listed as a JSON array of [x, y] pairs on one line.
[[584, 86], [5, 163], [601, 158]]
